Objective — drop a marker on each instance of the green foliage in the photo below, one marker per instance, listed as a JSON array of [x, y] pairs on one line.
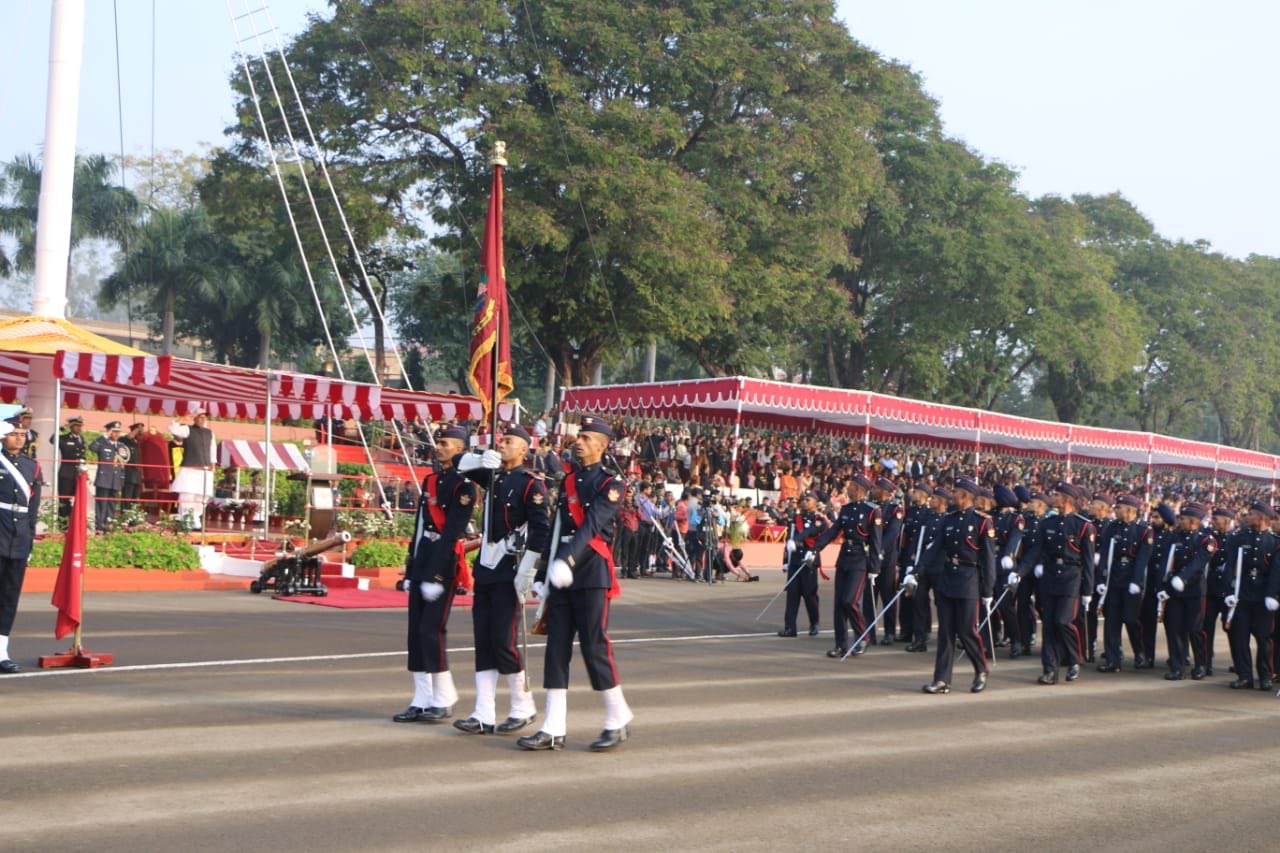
[[379, 552], [136, 549]]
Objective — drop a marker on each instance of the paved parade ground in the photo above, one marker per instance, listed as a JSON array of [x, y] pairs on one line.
[[234, 722]]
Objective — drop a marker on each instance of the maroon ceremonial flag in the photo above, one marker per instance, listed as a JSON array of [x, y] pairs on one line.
[[490, 333], [66, 592]]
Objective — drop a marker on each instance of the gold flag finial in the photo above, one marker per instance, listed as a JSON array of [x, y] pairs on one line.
[[499, 157]]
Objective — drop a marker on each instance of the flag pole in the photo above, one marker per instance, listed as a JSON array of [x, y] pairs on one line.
[[497, 161], [71, 580]]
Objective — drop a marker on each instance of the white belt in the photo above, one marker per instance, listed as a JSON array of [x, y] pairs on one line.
[[567, 539], [18, 508], [430, 537]]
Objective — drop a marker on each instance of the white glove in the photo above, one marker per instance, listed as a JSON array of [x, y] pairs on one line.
[[910, 581], [1162, 596], [1272, 604], [1134, 589], [491, 459], [1085, 601], [791, 547], [1097, 558], [1231, 601], [1006, 562], [431, 591], [986, 602], [539, 590], [1013, 579], [468, 462], [1039, 570], [1177, 583], [1100, 589], [560, 575], [524, 574]]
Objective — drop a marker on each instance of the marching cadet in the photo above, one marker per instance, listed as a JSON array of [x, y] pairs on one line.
[[966, 550], [71, 451], [1122, 573], [891, 539], [914, 528], [1099, 512], [1251, 612], [1010, 529], [803, 560], [859, 559], [1061, 560], [517, 530], [924, 574], [20, 483], [1186, 564], [1162, 520], [1035, 508], [431, 574], [1220, 581], [582, 581]]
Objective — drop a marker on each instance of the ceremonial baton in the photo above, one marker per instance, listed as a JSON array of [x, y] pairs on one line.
[[1231, 614], [799, 571], [873, 623], [1168, 567], [1106, 581], [991, 633]]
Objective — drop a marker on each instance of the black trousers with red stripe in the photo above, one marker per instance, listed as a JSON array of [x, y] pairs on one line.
[[1122, 609], [1253, 621], [958, 620], [495, 617], [583, 613], [1183, 626], [850, 589], [428, 623], [1062, 644]]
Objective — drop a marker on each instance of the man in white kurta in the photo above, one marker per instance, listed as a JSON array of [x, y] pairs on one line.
[[194, 481]]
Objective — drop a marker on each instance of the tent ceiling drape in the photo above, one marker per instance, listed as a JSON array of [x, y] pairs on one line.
[[807, 408]]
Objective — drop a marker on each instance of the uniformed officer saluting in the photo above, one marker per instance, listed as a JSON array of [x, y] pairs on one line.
[[966, 545], [804, 560], [581, 576], [71, 448], [20, 483], [859, 523], [109, 479], [430, 576], [517, 519], [1062, 557]]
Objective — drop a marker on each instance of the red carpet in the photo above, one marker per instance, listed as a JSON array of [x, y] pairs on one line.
[[354, 599]]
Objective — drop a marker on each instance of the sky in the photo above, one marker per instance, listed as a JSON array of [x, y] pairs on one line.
[[1168, 102]]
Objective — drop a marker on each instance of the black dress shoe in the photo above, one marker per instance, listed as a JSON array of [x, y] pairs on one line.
[[859, 649], [1241, 684], [1048, 678], [1002, 642], [1108, 666], [472, 726], [1266, 684], [1073, 672], [1143, 662], [8, 667], [541, 740], [918, 647], [1208, 670], [813, 630], [785, 633], [837, 652], [514, 724], [609, 738], [1017, 651], [435, 715], [936, 688], [1174, 675], [1197, 674], [412, 714], [886, 641], [979, 683]]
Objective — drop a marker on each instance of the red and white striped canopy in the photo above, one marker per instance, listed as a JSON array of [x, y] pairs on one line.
[[242, 453], [809, 408], [164, 385]]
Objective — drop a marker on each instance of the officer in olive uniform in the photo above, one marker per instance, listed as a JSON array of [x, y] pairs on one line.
[[1122, 573], [891, 539], [1011, 527], [966, 550], [804, 560], [1183, 591], [71, 455], [20, 483], [1061, 560], [1252, 611], [431, 567], [859, 523], [109, 479], [1220, 582], [1162, 520], [579, 581], [517, 526]]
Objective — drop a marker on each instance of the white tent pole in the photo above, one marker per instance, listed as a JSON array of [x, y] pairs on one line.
[[266, 469]]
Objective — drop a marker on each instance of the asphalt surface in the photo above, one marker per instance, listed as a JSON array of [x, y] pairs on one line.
[[234, 722]]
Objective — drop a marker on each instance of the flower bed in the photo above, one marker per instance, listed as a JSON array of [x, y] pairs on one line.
[[132, 549]]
